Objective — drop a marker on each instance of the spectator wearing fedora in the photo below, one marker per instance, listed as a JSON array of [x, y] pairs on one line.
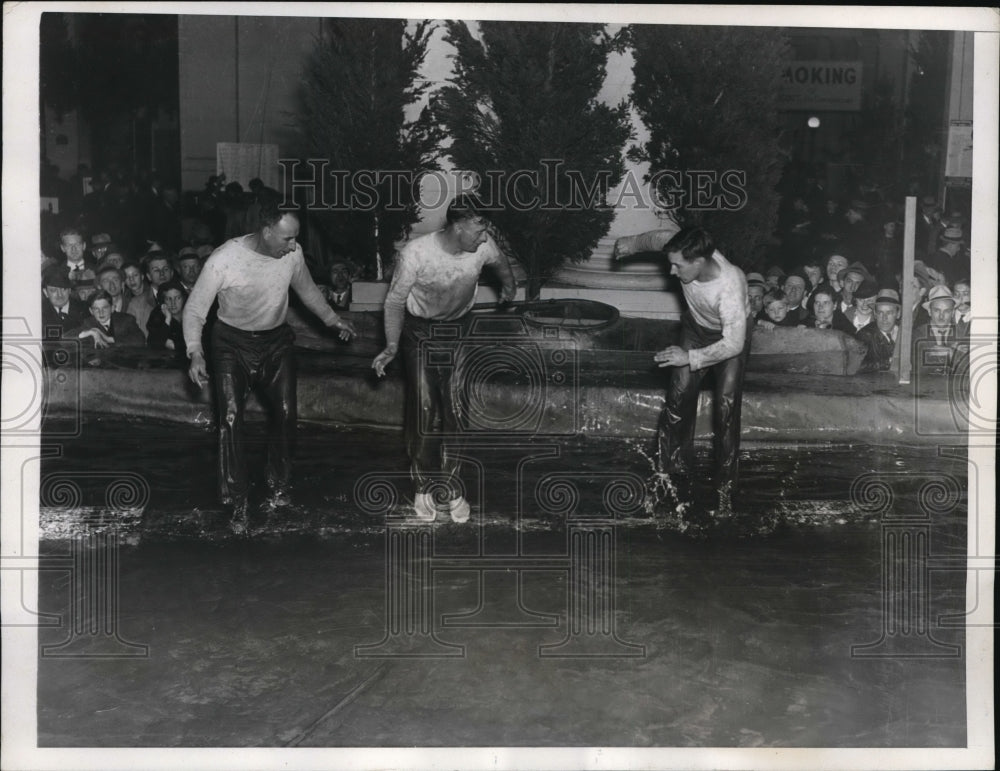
[[99, 245], [774, 277], [61, 311], [188, 268], [881, 335], [951, 260], [934, 343], [756, 287], [850, 278]]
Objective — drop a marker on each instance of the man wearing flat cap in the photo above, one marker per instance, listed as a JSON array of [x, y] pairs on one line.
[[882, 334]]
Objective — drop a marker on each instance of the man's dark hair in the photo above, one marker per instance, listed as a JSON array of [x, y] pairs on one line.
[[692, 243], [157, 255], [70, 230], [824, 289], [270, 208], [107, 267], [465, 207], [171, 284], [101, 295]]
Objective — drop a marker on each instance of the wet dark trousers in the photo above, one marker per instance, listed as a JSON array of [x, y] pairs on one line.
[[431, 428], [675, 431], [265, 362]]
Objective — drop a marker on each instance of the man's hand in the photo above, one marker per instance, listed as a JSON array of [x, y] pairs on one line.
[[382, 361], [166, 313], [674, 356], [507, 295], [345, 327], [100, 339], [198, 372], [622, 248]]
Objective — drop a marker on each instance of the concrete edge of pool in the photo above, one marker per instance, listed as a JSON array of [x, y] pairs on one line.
[[872, 415]]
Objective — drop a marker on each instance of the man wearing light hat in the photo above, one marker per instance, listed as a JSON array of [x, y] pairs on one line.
[[188, 267], [882, 334], [756, 288], [934, 343]]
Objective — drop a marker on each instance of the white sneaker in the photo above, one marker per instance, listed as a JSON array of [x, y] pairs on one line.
[[424, 508], [459, 509]]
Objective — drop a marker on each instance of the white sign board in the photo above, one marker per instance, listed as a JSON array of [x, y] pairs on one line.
[[242, 161], [821, 85]]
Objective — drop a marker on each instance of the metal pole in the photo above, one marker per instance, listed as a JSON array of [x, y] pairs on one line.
[[908, 293]]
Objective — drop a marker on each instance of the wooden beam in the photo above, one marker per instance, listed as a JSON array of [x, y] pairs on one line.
[[907, 293]]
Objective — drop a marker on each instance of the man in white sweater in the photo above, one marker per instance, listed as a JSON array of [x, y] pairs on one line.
[[715, 336], [252, 347], [434, 286]]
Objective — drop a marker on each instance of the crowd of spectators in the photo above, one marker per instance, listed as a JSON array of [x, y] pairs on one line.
[[839, 265], [136, 245], [121, 253]]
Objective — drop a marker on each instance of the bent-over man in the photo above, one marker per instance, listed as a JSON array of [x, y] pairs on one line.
[[715, 336]]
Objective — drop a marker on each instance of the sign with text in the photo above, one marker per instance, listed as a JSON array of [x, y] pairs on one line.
[[820, 85]]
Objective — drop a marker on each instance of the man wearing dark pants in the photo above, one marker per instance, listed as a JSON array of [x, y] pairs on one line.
[[715, 337], [434, 288], [252, 347]]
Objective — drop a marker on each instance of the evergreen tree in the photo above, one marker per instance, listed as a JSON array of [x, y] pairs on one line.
[[357, 84], [523, 113], [708, 96]]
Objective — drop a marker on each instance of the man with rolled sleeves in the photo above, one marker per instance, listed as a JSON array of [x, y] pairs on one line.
[[252, 347]]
